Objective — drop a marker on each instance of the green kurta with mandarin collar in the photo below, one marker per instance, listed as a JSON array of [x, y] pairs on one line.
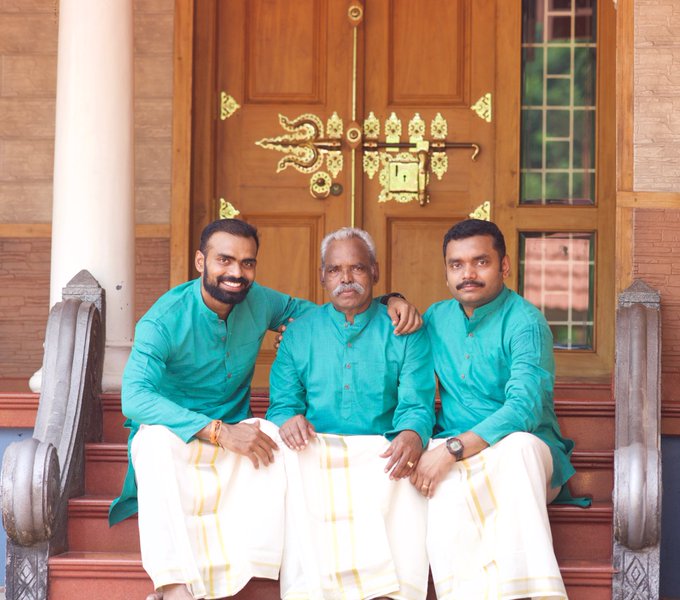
[[496, 373], [188, 367], [353, 378]]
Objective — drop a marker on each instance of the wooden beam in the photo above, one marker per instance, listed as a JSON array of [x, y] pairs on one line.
[[44, 230], [648, 199], [181, 141], [625, 56]]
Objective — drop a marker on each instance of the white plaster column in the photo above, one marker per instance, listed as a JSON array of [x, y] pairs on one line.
[[93, 224]]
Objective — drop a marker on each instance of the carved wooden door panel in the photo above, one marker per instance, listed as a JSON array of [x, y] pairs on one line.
[[300, 146], [429, 58]]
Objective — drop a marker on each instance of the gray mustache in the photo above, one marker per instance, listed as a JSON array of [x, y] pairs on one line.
[[348, 287]]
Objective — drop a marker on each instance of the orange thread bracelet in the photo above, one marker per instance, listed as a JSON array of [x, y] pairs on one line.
[[215, 428]]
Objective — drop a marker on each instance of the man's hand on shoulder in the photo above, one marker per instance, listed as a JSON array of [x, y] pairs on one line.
[[431, 469], [248, 440], [403, 452], [296, 432], [280, 330], [405, 317]]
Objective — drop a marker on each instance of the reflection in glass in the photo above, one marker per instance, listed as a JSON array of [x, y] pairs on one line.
[[556, 274]]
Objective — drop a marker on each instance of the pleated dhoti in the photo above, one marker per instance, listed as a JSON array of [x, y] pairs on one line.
[[351, 532], [207, 517], [488, 530]]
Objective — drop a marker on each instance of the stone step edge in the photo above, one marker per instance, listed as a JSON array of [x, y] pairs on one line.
[[599, 512], [117, 452], [129, 565]]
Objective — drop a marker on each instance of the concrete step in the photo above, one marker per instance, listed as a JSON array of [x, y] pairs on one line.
[[578, 533], [119, 576]]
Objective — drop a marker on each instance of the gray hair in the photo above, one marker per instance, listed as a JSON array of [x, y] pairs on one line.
[[347, 233]]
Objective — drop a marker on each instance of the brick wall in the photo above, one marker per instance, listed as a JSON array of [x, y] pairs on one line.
[[28, 63], [24, 301], [657, 95], [656, 261]]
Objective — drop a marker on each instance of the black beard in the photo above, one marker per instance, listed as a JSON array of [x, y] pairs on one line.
[[222, 295]]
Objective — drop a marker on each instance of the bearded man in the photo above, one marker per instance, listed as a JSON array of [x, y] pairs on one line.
[[210, 517]]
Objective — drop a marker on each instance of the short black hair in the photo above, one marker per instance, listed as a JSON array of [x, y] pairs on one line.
[[471, 227], [231, 226]]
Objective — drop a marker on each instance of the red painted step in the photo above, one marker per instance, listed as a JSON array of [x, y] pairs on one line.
[[579, 533], [106, 465], [119, 576]]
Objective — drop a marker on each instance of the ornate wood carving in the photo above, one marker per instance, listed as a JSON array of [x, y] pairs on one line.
[[40, 474], [637, 485]]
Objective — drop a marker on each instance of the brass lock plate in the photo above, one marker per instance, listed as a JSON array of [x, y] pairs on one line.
[[403, 176]]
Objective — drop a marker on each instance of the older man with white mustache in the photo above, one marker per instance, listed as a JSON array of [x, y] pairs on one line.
[[355, 406]]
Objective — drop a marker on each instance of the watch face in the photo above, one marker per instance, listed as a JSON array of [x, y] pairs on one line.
[[455, 447]]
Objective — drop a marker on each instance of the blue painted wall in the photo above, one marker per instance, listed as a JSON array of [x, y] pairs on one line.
[[7, 436], [670, 517]]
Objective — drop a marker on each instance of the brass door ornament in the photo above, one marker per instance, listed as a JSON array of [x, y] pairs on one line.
[[404, 166], [405, 175], [483, 212], [482, 107], [228, 106], [227, 210], [305, 145]]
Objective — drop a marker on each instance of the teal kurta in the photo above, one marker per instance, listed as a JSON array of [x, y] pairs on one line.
[[496, 373], [353, 379], [188, 366]]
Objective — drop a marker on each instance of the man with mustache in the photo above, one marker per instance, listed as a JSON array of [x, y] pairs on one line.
[[355, 404], [209, 517], [498, 457]]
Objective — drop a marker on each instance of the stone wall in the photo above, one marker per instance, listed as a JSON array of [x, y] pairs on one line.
[[28, 63], [657, 96], [656, 240]]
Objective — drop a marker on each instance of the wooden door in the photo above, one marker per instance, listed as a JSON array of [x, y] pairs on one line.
[[295, 82], [429, 57]]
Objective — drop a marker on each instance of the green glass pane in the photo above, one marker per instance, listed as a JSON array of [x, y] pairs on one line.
[[584, 139], [555, 313], [584, 76], [557, 123], [559, 28], [557, 155], [584, 27], [560, 336], [583, 188], [531, 188], [532, 135], [532, 77], [558, 92], [556, 187], [559, 60], [532, 25]]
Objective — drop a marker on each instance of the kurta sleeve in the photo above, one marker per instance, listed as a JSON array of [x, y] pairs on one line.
[[283, 307], [287, 395], [415, 390], [527, 389], [141, 399]]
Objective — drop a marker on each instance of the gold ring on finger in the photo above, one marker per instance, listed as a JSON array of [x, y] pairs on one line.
[[425, 488], [409, 464]]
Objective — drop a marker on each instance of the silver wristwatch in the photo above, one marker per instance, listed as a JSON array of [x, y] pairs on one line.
[[455, 447]]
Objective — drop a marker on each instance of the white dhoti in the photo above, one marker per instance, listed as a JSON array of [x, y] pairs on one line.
[[488, 529], [207, 517], [351, 532]]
